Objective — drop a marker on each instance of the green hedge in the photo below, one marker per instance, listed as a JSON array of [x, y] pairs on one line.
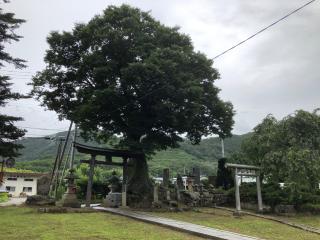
[[273, 194]]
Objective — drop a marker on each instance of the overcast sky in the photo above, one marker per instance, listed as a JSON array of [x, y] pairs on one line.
[[276, 72]]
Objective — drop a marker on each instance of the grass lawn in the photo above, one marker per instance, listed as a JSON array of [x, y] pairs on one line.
[[247, 225], [311, 220], [26, 223]]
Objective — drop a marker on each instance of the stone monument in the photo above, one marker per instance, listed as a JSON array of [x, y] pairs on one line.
[[166, 177], [180, 182], [196, 175]]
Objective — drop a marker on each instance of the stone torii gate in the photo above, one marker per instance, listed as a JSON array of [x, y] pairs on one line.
[[245, 170], [108, 154]]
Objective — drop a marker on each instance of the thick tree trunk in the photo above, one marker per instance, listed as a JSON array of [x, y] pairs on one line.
[[139, 184]]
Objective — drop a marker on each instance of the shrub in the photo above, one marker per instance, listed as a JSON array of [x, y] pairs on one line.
[[310, 207], [4, 197]]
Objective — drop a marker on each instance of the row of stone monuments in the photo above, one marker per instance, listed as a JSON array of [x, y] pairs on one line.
[[192, 194]]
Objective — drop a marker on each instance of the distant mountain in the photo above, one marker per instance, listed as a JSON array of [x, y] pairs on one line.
[[39, 154]]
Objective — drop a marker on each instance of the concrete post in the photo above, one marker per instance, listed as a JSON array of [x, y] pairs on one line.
[[90, 181], [124, 183], [237, 193], [124, 196], [260, 206]]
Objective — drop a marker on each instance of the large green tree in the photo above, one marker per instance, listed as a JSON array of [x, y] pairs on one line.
[[8, 131], [125, 73], [287, 150]]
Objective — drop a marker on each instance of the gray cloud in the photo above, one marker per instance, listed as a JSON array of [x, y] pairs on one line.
[[276, 72]]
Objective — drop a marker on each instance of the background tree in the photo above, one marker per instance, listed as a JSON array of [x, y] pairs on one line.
[[287, 150], [8, 131], [125, 73]]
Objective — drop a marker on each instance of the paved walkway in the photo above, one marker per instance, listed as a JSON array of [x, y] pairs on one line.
[[195, 229]]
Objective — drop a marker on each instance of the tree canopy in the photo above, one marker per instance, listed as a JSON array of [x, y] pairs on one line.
[[8, 131], [287, 150], [125, 73]]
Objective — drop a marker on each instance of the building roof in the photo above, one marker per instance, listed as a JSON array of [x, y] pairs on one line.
[[23, 174]]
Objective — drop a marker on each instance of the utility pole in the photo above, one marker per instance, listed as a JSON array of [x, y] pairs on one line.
[[61, 159], [57, 164]]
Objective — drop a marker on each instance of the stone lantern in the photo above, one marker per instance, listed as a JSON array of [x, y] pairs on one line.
[[69, 199]]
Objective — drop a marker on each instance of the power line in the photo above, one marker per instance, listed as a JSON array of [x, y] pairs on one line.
[[45, 129], [219, 55], [14, 71], [18, 77], [18, 74], [263, 29]]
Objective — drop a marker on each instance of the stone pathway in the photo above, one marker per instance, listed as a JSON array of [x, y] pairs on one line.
[[13, 202], [202, 231]]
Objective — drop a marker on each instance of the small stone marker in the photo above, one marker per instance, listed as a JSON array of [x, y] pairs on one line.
[[177, 193], [166, 177], [190, 184], [196, 174], [180, 184], [156, 193], [168, 195]]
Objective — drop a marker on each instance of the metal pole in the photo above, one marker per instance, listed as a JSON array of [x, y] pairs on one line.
[[65, 143], [73, 148], [61, 159], [64, 167], [53, 174]]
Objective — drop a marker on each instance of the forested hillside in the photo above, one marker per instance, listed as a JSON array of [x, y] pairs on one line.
[[39, 154]]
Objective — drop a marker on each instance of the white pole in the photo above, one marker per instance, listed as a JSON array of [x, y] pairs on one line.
[[237, 192], [260, 206], [222, 147]]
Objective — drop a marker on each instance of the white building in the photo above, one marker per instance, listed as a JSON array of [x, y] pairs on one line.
[[20, 184]]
